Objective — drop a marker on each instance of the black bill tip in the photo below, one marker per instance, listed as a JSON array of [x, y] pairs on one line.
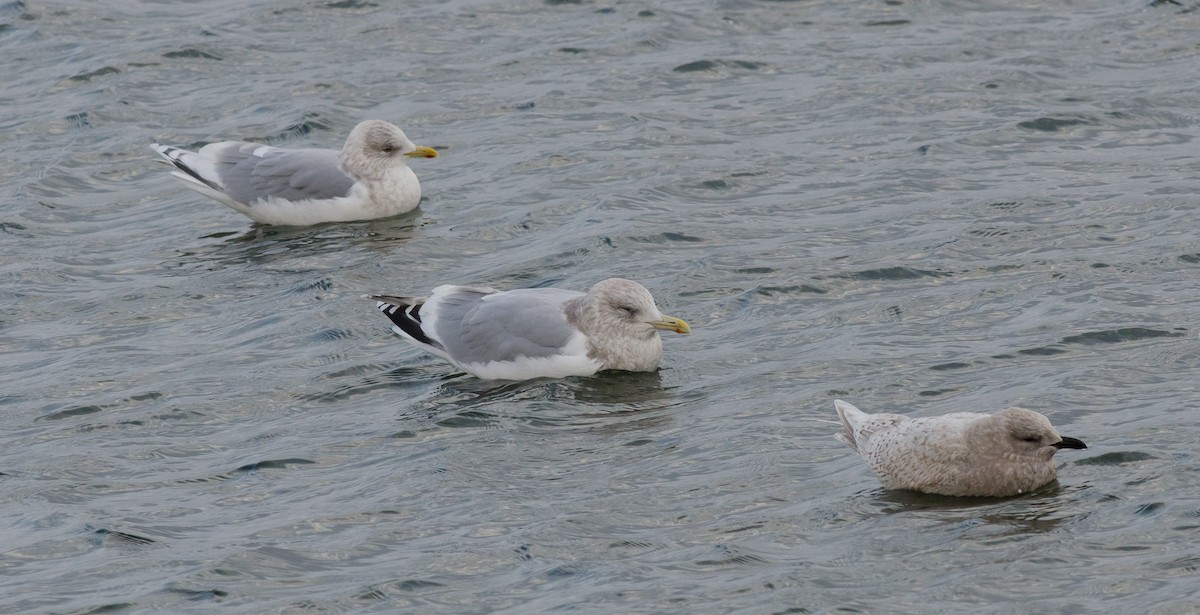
[[1070, 443]]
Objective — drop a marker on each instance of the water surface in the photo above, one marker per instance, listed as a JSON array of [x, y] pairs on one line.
[[920, 207]]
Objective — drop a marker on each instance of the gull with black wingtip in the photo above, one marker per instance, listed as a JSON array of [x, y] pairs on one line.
[[535, 332], [369, 178]]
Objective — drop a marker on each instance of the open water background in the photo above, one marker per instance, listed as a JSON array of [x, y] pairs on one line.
[[919, 206]]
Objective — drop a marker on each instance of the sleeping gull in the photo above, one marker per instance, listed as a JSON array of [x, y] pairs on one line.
[[965, 453], [535, 332], [369, 178]]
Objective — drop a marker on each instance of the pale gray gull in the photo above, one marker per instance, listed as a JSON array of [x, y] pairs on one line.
[[535, 332], [963, 454], [369, 178]]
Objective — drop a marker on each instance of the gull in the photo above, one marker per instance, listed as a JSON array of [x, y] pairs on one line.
[[369, 178], [535, 332], [963, 454]]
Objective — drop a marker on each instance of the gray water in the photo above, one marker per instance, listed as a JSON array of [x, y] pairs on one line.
[[918, 206]]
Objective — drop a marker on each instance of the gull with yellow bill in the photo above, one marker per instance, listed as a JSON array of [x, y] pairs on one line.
[[535, 332], [369, 178]]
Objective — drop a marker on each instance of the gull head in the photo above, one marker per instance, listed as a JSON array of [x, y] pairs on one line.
[[1024, 433], [627, 306], [376, 144]]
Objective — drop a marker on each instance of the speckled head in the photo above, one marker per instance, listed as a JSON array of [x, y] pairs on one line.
[[376, 144], [1028, 433], [622, 323], [628, 305]]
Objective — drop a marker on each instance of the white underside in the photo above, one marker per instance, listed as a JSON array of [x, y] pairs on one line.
[[572, 361], [356, 206]]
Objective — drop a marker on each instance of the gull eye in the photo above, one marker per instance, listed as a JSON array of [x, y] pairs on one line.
[[626, 310], [1031, 439], [388, 148]]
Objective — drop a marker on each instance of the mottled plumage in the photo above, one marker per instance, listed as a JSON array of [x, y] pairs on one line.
[[369, 178], [964, 454], [535, 332]]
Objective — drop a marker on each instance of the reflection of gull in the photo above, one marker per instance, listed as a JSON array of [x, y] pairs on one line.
[[535, 332], [969, 454], [368, 179]]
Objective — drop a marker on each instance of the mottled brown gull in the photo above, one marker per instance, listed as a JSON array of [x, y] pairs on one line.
[[964, 454], [369, 178], [535, 332]]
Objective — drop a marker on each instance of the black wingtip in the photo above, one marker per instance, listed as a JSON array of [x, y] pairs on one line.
[[408, 319], [170, 154]]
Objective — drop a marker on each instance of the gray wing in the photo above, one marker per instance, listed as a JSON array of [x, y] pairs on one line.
[[292, 174], [475, 327]]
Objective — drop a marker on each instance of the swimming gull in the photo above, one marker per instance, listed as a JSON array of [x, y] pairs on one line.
[[965, 453], [369, 178], [535, 332]]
